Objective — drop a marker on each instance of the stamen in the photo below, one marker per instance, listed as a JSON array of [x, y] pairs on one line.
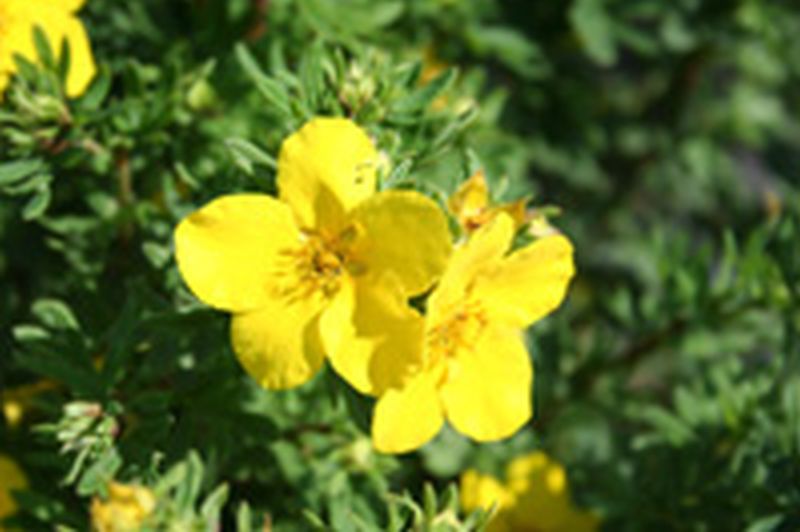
[[460, 331], [316, 266]]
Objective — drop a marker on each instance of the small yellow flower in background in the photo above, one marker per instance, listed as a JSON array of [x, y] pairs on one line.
[[472, 209], [58, 21], [535, 497], [432, 66], [124, 510], [11, 478], [297, 270], [17, 401]]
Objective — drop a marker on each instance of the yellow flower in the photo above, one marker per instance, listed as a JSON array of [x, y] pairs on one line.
[[17, 402], [11, 478], [465, 360], [535, 498], [470, 205], [125, 509], [297, 270], [58, 21], [475, 369]]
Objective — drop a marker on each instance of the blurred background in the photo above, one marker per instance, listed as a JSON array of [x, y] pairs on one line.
[[662, 137]]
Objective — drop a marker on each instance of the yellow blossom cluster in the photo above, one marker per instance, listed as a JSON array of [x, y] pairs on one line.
[[327, 270], [57, 20], [534, 497], [125, 508]]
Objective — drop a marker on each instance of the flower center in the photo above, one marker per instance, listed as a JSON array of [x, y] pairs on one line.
[[459, 331], [320, 266], [317, 266]]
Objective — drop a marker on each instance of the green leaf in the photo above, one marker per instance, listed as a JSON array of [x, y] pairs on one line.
[[25, 333], [514, 49], [158, 254], [430, 506], [37, 204], [64, 61], [98, 90], [100, 473], [18, 170], [244, 518], [30, 185], [246, 154], [595, 29], [212, 505], [769, 523], [421, 98], [55, 314], [272, 91], [44, 50]]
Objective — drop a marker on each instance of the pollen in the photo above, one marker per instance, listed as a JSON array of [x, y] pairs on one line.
[[459, 331], [316, 267]]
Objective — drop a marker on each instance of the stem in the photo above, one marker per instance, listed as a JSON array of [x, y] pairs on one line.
[[125, 194]]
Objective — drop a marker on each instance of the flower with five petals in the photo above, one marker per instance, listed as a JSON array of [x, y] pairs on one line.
[[295, 270], [465, 360]]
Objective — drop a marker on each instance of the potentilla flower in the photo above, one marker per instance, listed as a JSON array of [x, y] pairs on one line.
[[296, 270], [535, 497], [465, 360], [124, 510], [58, 21], [11, 478]]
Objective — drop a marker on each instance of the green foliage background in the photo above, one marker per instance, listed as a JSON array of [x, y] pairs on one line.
[[668, 132]]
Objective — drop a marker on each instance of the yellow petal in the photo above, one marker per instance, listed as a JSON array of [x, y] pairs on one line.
[[481, 253], [406, 418], [485, 492], [530, 283], [279, 344], [125, 509], [17, 36], [11, 478], [470, 200], [372, 337], [82, 69], [482, 491], [543, 501], [325, 169], [533, 467], [72, 5], [232, 250], [405, 235], [487, 394], [517, 210]]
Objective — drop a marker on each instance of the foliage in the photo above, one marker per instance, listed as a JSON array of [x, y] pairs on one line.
[[667, 132]]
